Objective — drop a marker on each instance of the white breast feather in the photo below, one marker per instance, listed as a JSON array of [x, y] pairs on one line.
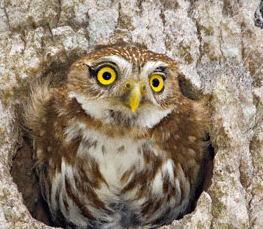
[[114, 164]]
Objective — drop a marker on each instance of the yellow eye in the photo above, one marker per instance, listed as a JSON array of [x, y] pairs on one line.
[[106, 75], [156, 83]]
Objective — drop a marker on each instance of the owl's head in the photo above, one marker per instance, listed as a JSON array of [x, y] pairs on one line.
[[125, 85]]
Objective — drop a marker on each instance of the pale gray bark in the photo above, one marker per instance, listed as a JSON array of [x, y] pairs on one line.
[[219, 50]]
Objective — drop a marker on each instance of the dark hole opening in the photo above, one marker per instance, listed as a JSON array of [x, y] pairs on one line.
[[187, 89], [206, 175], [25, 177]]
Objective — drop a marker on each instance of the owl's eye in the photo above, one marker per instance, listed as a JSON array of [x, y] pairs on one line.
[[106, 75], [156, 83]]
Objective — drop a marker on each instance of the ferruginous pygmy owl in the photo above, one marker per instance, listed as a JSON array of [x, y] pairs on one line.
[[118, 145]]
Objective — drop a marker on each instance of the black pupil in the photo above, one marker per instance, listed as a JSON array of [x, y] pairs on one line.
[[155, 82], [106, 75]]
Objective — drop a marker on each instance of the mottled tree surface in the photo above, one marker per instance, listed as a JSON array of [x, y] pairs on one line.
[[220, 52]]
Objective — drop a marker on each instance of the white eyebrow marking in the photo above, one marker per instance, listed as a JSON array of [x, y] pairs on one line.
[[150, 66], [124, 65]]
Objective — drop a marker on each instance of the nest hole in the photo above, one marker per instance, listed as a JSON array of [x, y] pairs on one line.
[[23, 170]]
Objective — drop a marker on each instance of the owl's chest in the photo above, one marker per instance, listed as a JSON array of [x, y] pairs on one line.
[[121, 169], [122, 174], [113, 156]]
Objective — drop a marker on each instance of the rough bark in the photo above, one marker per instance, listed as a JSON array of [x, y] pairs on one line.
[[220, 53]]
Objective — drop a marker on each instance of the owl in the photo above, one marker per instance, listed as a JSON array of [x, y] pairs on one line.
[[117, 145]]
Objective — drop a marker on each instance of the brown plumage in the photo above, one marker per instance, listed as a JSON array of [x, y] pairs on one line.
[[118, 145]]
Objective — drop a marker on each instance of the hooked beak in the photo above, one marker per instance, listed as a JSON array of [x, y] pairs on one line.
[[135, 96]]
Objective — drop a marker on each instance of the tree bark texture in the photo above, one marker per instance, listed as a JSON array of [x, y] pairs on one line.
[[220, 53]]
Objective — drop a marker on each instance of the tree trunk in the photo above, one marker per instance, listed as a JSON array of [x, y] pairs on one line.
[[220, 53]]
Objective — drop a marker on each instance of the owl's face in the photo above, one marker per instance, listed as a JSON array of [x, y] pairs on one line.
[[125, 85]]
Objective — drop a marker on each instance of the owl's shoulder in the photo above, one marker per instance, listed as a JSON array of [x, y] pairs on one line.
[[188, 118], [181, 136], [41, 102], [43, 115]]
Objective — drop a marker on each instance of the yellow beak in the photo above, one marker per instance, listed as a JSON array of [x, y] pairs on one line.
[[136, 90], [135, 97]]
